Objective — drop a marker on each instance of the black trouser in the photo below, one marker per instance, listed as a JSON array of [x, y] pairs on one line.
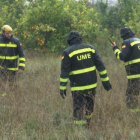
[[7, 76], [132, 92], [83, 104]]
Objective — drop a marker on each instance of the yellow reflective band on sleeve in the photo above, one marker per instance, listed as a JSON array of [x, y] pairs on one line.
[[102, 72], [1, 67], [118, 55], [13, 69], [81, 51], [80, 122], [22, 59], [8, 57], [84, 87], [82, 70], [21, 64], [105, 79], [2, 57], [132, 62], [134, 110], [89, 116], [133, 76], [64, 79], [63, 87], [117, 51], [2, 45], [134, 43], [8, 45]]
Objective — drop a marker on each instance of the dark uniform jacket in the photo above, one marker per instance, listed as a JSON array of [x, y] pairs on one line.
[[79, 64], [129, 53], [10, 52]]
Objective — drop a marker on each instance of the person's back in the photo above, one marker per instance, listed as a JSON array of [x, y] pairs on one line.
[[79, 64], [132, 59], [82, 66], [130, 54]]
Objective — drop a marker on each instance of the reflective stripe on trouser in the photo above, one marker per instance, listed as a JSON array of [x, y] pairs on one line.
[[80, 122], [83, 104], [134, 110], [89, 116]]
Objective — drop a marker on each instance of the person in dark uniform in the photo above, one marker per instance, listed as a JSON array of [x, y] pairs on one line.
[[79, 64], [12, 58], [130, 54]]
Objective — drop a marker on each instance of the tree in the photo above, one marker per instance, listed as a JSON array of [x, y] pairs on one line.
[[134, 19], [11, 11], [47, 23]]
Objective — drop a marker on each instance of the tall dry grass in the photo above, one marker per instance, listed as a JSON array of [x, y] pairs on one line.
[[35, 110]]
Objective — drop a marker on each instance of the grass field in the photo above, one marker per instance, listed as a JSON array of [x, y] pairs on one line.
[[36, 111]]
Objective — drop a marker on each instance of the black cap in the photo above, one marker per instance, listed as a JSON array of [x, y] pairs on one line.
[[73, 35], [125, 32]]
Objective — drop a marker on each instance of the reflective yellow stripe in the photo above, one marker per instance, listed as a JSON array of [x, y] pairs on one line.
[[134, 110], [64, 80], [62, 87], [132, 62], [105, 79], [3, 94], [2, 45], [118, 55], [117, 51], [89, 116], [8, 57], [81, 51], [84, 87], [82, 70], [21, 64], [8, 45], [22, 59], [14, 69], [102, 72], [81, 122], [134, 43], [1, 67], [133, 76]]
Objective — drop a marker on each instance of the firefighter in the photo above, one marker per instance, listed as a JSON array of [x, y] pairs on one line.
[[130, 54], [79, 63], [11, 52]]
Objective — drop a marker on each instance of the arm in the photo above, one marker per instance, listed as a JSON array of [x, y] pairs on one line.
[[102, 72], [64, 77], [21, 57], [124, 53]]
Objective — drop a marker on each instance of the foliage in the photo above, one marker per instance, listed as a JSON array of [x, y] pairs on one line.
[[117, 16], [134, 19], [11, 11], [46, 28]]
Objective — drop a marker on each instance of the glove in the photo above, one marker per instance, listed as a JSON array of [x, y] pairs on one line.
[[107, 85], [63, 93]]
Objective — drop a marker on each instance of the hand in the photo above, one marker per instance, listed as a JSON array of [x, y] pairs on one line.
[[107, 85], [113, 45], [20, 71], [63, 93]]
